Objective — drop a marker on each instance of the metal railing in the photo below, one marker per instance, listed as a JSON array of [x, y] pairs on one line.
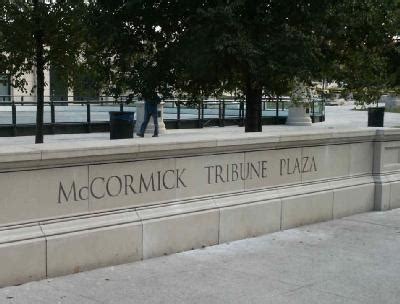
[[88, 111]]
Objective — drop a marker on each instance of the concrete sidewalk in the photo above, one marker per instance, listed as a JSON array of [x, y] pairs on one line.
[[352, 260]]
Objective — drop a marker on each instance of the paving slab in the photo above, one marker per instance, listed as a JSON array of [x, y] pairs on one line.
[[352, 260]]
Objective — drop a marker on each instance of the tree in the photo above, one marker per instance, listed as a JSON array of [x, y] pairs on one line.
[[254, 45], [35, 34], [365, 47], [130, 41]]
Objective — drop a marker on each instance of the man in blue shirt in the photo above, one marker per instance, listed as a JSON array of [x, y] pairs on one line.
[[150, 109]]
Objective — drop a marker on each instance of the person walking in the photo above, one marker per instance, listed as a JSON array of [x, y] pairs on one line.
[[150, 109]]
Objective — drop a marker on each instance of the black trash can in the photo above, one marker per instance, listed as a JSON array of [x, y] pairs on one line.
[[121, 125], [376, 116]]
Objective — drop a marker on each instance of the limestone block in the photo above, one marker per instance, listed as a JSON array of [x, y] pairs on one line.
[[330, 161], [133, 184], [179, 233], [89, 249], [89, 222], [395, 195], [282, 167], [307, 209], [181, 207], [249, 220], [247, 198], [391, 156], [353, 200], [38, 194], [16, 153], [64, 152], [304, 189], [361, 158], [358, 181], [22, 261], [382, 195], [250, 139], [164, 146], [212, 174]]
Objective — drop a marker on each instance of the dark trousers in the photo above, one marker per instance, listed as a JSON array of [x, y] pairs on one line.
[[150, 109]]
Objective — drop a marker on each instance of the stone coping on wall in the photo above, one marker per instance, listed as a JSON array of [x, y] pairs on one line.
[[84, 152]]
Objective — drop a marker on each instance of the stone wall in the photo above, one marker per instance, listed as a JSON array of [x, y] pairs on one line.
[[68, 209]]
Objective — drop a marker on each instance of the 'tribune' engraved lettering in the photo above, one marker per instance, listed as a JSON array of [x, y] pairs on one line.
[[236, 171]]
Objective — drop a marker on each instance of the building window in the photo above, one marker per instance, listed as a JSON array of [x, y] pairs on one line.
[[5, 89]]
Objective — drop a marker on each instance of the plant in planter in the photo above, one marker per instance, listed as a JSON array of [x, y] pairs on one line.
[[300, 100]]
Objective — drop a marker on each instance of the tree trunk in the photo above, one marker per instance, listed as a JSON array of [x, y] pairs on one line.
[[253, 108], [39, 73]]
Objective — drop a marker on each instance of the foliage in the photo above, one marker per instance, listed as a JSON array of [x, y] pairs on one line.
[[128, 45], [257, 47], [201, 48], [62, 27], [364, 47], [35, 34]]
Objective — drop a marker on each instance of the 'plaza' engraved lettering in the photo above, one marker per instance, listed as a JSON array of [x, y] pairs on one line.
[[304, 165], [114, 186], [233, 172]]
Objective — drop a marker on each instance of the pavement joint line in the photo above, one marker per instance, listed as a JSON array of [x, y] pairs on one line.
[[45, 248], [74, 293], [359, 300], [299, 288], [261, 276], [371, 223]]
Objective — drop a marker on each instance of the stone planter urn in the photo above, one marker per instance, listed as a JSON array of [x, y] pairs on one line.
[[392, 102], [150, 126], [298, 116]]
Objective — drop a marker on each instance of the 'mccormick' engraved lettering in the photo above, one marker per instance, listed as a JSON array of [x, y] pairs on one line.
[[101, 187], [150, 183], [98, 196], [172, 186], [114, 180], [128, 180], [61, 192], [179, 180]]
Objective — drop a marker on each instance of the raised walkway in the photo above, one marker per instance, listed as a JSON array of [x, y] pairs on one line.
[[352, 260]]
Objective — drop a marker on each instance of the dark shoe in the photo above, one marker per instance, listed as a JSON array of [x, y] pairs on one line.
[[140, 134], [155, 135]]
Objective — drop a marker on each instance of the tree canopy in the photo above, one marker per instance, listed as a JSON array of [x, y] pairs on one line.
[[204, 48], [61, 24], [365, 48], [35, 34]]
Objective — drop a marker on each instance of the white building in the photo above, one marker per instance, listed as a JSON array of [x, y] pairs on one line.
[[55, 89]]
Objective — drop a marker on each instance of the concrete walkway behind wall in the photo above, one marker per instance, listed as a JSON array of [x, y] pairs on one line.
[[352, 260]]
